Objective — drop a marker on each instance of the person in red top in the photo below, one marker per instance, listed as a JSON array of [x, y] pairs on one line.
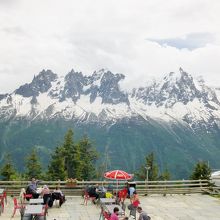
[[134, 201], [114, 215]]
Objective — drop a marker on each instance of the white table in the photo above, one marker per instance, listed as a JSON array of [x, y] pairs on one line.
[[107, 200], [36, 201], [33, 209]]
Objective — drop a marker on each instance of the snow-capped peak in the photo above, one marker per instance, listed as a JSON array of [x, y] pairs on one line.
[[98, 97]]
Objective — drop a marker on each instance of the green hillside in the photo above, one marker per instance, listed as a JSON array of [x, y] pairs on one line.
[[122, 145]]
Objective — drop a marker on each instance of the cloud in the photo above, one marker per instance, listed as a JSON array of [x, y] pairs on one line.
[[191, 41], [88, 35]]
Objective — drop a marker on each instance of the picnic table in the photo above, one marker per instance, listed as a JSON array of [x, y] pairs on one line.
[[107, 201], [36, 201], [33, 212], [33, 209]]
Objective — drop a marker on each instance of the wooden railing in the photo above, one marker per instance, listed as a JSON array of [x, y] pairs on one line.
[[143, 187]]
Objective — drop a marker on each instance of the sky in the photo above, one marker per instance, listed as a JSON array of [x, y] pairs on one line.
[[142, 39]]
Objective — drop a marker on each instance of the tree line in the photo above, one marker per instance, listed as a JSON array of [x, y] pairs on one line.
[[69, 160], [78, 160], [150, 170]]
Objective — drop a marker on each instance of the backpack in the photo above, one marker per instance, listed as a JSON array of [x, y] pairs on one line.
[[146, 217]]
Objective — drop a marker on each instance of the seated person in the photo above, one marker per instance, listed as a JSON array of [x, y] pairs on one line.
[[114, 215], [122, 195], [21, 195], [92, 192], [134, 201], [58, 195], [108, 195], [46, 195], [32, 188], [45, 190], [101, 190], [142, 215]]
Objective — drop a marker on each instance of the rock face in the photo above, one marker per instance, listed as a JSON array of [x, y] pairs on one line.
[[98, 97], [40, 84], [100, 94], [177, 104], [175, 88]]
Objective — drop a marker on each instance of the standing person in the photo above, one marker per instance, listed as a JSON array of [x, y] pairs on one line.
[[142, 215], [114, 215], [131, 191]]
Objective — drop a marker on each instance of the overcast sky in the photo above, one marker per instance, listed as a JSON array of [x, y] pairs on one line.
[[139, 38]]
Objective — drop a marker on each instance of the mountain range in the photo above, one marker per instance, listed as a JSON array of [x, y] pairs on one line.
[[177, 117]]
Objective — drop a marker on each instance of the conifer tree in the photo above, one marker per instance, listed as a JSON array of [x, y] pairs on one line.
[[33, 166], [165, 175], [8, 171], [201, 171], [76, 160], [68, 150], [88, 158], [56, 168], [149, 168]]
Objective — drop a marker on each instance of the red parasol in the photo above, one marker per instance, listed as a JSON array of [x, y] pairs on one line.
[[118, 175]]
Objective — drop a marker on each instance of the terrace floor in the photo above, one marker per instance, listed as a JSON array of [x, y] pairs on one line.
[[170, 207]]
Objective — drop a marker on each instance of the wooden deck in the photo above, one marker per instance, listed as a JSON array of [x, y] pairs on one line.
[[174, 207]]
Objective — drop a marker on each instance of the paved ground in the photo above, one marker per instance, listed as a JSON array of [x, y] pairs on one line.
[[174, 207]]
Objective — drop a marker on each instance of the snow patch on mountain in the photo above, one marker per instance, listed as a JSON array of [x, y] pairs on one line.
[[177, 97]]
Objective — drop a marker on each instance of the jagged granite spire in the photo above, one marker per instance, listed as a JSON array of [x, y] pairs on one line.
[[40, 84]]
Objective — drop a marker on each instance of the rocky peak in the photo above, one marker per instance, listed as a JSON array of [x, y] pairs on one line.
[[2, 96], [40, 84], [73, 88], [109, 88], [173, 88], [98, 74], [102, 83], [177, 88], [207, 94], [45, 75]]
